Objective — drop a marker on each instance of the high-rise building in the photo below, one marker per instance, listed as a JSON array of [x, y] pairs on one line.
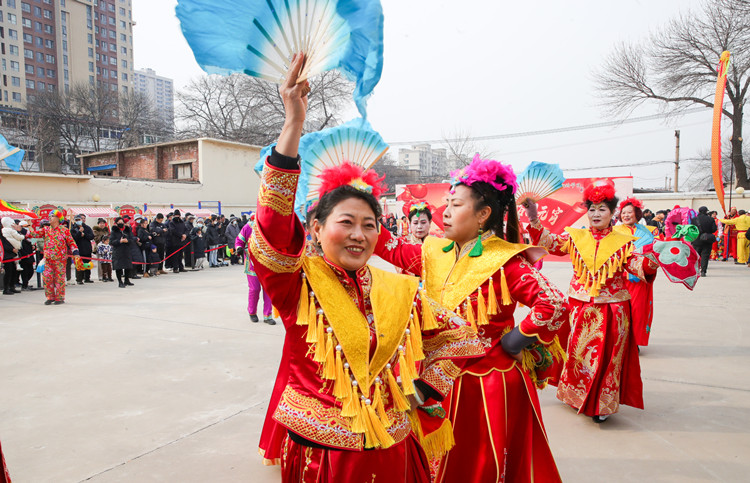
[[54, 44], [422, 158], [160, 90]]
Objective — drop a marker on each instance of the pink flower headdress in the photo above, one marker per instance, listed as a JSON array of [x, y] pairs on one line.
[[498, 175]]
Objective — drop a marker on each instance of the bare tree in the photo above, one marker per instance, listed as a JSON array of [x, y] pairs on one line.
[[138, 119], [676, 67], [246, 109], [461, 148]]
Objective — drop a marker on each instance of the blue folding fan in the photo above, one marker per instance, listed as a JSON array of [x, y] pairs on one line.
[[260, 37], [538, 181], [354, 141]]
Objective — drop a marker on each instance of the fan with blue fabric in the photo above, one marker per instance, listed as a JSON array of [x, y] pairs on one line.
[[260, 37], [538, 181], [643, 237], [354, 141]]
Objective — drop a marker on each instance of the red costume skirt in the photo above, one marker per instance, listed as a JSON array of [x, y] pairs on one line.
[[602, 370], [4, 474], [499, 433], [404, 462], [273, 434], [642, 308]]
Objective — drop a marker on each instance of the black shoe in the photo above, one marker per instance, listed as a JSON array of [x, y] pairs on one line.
[[183, 270], [129, 283], [28, 289], [703, 274], [47, 302], [121, 285], [58, 302], [8, 292], [599, 419], [79, 283], [269, 321], [254, 318], [88, 281], [135, 277]]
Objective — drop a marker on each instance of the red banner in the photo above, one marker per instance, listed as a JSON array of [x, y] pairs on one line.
[[128, 210], [563, 208], [43, 213]]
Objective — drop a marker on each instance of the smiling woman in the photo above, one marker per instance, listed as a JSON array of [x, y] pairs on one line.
[[354, 333]]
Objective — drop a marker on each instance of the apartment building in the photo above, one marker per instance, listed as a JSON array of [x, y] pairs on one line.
[[160, 90], [48, 45], [425, 159]]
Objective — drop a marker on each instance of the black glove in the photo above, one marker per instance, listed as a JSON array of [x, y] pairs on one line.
[[239, 250]]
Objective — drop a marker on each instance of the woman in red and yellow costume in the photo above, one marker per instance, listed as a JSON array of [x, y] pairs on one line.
[[420, 220], [641, 291], [602, 370], [350, 327], [481, 271]]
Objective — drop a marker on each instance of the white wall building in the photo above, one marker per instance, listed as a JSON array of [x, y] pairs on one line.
[[422, 158]]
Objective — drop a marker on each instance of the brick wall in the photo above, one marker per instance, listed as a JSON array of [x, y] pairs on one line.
[[178, 152], [148, 162]]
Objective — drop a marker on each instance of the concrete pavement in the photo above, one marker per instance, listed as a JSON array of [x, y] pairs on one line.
[[169, 381]]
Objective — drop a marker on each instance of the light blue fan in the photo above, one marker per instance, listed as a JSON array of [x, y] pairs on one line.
[[644, 237], [12, 155], [354, 141], [260, 37], [538, 181]]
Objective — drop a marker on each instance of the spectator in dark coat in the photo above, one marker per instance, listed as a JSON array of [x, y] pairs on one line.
[[188, 251], [212, 239], [159, 238], [27, 250], [199, 244], [121, 239], [144, 243], [707, 227], [177, 237], [153, 259], [83, 235], [233, 229]]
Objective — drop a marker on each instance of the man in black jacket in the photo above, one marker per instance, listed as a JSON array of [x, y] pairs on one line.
[[177, 237], [159, 239], [27, 264], [188, 251], [707, 227], [212, 240], [83, 235]]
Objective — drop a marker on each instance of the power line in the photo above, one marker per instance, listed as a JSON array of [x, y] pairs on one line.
[[581, 127], [631, 165]]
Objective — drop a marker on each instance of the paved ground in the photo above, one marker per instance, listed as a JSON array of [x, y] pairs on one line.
[[169, 380]]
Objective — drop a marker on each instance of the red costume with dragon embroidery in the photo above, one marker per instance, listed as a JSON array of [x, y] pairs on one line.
[[348, 335], [602, 370]]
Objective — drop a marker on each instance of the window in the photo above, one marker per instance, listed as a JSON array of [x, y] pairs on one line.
[[12, 19], [113, 74], [30, 84], [113, 61], [29, 54], [14, 65], [13, 49], [12, 4], [98, 57], [25, 7], [50, 59], [39, 42], [28, 38], [25, 22], [48, 29], [104, 73], [40, 71], [29, 69], [122, 11], [41, 85], [183, 171], [16, 97], [65, 60], [91, 67], [50, 44], [111, 7], [124, 89], [5, 64], [16, 81], [51, 74], [66, 75], [112, 34], [124, 64], [123, 38], [48, 14], [65, 45], [39, 57], [122, 24], [91, 52], [38, 26], [124, 76], [91, 80], [37, 12], [124, 50], [112, 21], [13, 34], [90, 38], [50, 87]]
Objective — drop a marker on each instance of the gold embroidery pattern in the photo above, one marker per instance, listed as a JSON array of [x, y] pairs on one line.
[[548, 293], [277, 190], [313, 420], [441, 376], [460, 342], [270, 258]]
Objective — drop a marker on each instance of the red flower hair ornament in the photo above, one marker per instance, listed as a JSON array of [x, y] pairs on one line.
[[351, 175], [498, 175], [631, 201], [599, 191]]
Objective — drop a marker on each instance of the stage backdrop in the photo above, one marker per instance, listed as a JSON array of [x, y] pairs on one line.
[[563, 208]]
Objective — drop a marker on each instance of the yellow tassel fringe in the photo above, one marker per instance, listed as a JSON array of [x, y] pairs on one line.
[[491, 299], [504, 290]]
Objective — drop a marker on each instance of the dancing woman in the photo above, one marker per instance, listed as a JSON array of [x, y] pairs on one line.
[[350, 327], [481, 272], [602, 370], [641, 291]]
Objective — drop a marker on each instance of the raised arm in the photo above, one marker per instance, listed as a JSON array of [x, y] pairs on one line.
[[395, 251], [540, 236]]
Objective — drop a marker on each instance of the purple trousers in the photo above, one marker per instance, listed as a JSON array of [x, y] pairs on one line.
[[253, 295]]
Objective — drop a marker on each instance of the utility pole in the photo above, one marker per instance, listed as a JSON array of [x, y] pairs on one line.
[[676, 159]]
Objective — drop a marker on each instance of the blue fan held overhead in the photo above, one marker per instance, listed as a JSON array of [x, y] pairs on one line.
[[260, 37], [538, 181], [645, 237], [354, 141], [12, 155]]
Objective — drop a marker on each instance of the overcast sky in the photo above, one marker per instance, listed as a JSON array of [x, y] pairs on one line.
[[494, 67]]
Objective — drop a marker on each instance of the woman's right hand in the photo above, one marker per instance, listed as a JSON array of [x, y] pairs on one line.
[[294, 96], [531, 209]]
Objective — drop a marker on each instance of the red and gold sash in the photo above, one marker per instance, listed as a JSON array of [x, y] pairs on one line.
[[596, 262]]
